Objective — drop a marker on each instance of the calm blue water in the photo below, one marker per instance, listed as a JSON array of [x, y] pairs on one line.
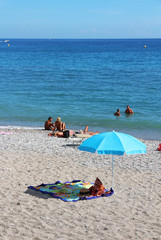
[[83, 82]]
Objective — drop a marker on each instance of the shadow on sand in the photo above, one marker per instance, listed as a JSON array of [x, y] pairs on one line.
[[37, 194]]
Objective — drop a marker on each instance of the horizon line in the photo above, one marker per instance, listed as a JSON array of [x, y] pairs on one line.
[[83, 38]]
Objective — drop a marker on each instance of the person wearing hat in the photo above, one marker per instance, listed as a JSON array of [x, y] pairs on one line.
[[59, 126]]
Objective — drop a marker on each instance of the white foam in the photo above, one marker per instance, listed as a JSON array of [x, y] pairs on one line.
[[20, 127]]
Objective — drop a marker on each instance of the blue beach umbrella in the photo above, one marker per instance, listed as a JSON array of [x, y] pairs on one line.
[[113, 143]]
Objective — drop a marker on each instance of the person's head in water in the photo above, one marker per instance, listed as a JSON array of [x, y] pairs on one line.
[[129, 110], [117, 113]]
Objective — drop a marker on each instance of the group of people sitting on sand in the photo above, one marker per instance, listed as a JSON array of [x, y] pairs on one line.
[[59, 129], [128, 111], [57, 126]]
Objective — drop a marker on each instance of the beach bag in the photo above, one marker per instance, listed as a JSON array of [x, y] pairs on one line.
[[66, 133]]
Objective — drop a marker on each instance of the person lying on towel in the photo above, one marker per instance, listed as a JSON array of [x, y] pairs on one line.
[[96, 190], [90, 133], [85, 131]]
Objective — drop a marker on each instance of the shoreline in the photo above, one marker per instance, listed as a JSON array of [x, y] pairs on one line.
[[146, 134]]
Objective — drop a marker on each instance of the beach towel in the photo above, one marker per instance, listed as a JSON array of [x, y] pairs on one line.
[[70, 191], [6, 133], [83, 135]]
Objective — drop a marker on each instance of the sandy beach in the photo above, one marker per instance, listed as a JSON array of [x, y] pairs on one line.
[[30, 157]]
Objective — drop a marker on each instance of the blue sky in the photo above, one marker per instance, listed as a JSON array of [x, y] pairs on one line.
[[80, 19]]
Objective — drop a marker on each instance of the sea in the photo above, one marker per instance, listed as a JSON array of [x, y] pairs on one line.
[[83, 81]]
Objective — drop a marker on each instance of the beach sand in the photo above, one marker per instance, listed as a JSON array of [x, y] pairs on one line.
[[30, 157]]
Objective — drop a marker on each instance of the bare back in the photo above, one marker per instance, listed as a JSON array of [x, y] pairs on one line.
[[48, 125], [58, 125]]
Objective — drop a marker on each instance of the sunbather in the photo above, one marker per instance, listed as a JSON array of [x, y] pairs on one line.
[[90, 133], [56, 134], [71, 133], [59, 126], [48, 124], [97, 190], [64, 134]]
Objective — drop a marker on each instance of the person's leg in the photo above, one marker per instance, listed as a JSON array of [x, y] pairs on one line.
[[93, 133], [52, 128], [85, 130], [55, 134], [63, 126], [51, 134]]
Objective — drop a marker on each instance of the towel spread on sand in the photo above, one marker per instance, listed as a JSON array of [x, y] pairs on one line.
[[6, 133], [70, 191]]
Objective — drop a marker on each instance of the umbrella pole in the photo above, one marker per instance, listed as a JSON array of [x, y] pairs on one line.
[[112, 169]]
